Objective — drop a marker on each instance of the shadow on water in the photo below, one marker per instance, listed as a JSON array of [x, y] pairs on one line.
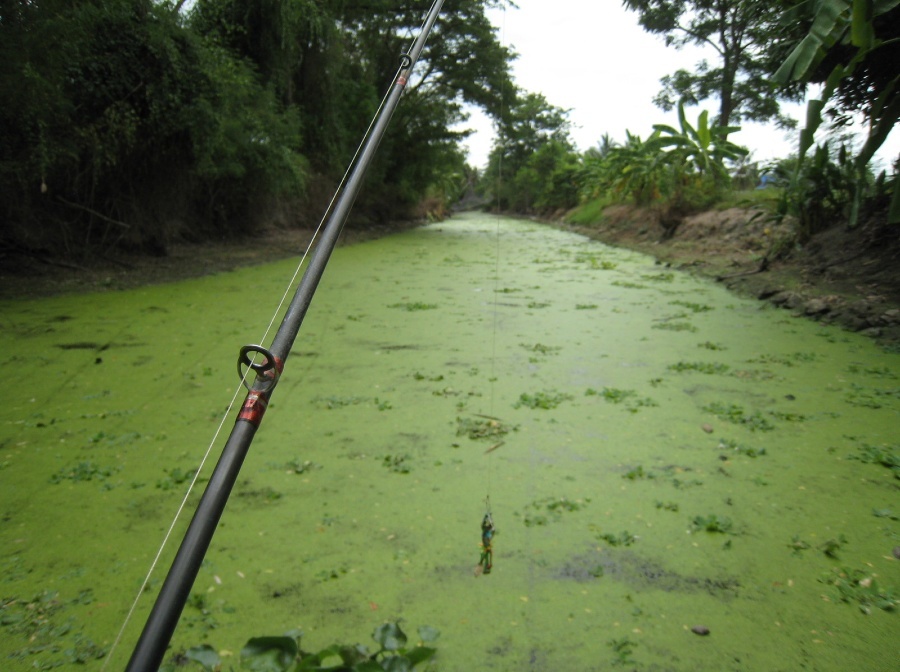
[[663, 460]]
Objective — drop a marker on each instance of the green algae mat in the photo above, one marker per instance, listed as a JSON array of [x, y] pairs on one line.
[[680, 479]]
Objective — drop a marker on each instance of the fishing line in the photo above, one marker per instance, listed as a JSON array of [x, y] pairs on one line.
[[242, 383], [487, 523]]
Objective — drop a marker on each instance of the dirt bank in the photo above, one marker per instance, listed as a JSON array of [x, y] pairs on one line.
[[845, 277], [32, 274]]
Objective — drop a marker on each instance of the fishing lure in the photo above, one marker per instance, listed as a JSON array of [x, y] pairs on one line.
[[486, 562]]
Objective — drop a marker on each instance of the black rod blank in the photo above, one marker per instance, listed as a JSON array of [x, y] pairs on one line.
[[154, 640]]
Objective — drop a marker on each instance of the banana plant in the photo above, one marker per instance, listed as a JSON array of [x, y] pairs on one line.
[[703, 148], [842, 22]]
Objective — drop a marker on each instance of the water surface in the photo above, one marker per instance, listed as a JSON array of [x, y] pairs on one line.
[[676, 457]]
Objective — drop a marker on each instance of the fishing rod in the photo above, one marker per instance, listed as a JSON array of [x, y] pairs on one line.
[[160, 626]]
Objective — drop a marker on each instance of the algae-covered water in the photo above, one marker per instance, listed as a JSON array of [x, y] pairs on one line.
[[674, 458]]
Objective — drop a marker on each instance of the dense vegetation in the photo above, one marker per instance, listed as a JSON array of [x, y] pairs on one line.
[[768, 51], [133, 123]]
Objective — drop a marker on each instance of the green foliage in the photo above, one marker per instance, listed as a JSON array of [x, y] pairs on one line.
[[849, 47], [550, 509], [886, 456], [82, 472], [399, 464], [746, 35], [47, 636], [735, 414], [820, 190], [414, 306], [545, 400], [143, 125], [284, 654], [860, 587], [482, 428], [740, 449], [711, 523], [617, 396], [700, 367], [624, 538], [680, 170], [533, 166]]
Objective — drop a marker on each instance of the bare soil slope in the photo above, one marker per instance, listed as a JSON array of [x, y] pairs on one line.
[[847, 277]]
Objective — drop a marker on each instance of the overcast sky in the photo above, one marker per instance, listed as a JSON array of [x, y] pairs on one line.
[[592, 56]]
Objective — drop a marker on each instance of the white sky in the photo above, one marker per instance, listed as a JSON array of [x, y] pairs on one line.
[[592, 56]]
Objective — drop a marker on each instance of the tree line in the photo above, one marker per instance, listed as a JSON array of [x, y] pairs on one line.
[[133, 123], [767, 52], [137, 122]]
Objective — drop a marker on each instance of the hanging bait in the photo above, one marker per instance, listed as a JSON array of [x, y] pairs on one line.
[[487, 552]]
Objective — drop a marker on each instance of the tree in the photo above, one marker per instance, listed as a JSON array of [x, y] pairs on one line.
[[744, 33], [532, 144], [851, 46]]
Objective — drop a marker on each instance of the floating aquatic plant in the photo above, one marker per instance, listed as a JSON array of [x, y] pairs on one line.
[[675, 326], [396, 463], [693, 307], [831, 547], [861, 587], [553, 507], [284, 653], [740, 449], [83, 471], [624, 538], [545, 400], [413, 306], [734, 413], [482, 428], [712, 523], [886, 456], [708, 368]]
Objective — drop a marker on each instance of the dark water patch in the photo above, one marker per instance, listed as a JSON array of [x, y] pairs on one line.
[[99, 347], [84, 345], [640, 573]]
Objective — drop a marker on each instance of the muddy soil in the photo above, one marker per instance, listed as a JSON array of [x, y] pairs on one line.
[[845, 277], [29, 274]]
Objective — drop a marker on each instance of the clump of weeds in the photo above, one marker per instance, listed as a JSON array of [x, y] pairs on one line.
[[856, 586], [831, 547], [712, 523], [82, 472], [544, 400], [797, 545], [693, 307], [740, 449], [886, 456], [637, 473], [708, 368], [622, 650], [735, 414], [413, 306], [482, 428], [624, 538], [399, 464], [550, 509], [615, 395]]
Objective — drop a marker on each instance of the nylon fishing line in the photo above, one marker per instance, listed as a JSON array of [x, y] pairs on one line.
[[242, 383], [488, 530]]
